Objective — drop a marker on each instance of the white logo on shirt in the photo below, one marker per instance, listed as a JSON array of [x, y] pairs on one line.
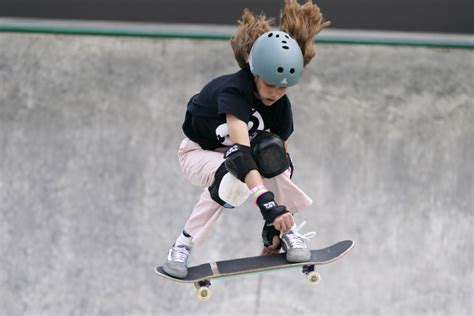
[[255, 123]]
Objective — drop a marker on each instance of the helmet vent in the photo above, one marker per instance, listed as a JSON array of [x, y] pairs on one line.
[[285, 47], [270, 35], [292, 70], [280, 69]]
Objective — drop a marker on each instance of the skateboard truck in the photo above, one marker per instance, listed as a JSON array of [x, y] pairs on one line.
[[204, 291], [312, 276]]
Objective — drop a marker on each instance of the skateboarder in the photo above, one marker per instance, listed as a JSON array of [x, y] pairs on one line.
[[237, 130]]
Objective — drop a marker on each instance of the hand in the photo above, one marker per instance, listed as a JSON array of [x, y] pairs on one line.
[[274, 248], [284, 222]]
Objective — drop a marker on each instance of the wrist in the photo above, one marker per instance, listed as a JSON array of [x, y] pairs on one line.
[[268, 207], [257, 191]]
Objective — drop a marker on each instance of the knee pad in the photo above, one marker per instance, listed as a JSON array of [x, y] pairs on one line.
[[227, 190], [269, 154]]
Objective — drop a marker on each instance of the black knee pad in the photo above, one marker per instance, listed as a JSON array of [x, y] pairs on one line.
[[269, 154]]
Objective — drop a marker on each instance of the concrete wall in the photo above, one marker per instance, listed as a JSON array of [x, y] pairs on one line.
[[91, 195]]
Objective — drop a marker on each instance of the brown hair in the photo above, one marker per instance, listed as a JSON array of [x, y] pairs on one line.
[[250, 28], [302, 22]]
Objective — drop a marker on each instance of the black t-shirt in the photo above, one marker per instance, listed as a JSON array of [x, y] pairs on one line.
[[205, 121]]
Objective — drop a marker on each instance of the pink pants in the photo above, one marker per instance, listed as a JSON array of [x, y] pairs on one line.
[[199, 167]]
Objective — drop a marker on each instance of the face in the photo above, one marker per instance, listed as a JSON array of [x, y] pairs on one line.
[[268, 93]]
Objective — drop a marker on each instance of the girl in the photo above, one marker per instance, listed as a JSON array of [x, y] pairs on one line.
[[237, 131]]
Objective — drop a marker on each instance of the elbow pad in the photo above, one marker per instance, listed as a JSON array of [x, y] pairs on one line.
[[239, 161]]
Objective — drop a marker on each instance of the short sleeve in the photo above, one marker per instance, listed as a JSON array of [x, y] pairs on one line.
[[283, 121], [232, 102]]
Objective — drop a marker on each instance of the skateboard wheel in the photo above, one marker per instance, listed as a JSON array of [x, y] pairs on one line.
[[203, 293], [313, 278]]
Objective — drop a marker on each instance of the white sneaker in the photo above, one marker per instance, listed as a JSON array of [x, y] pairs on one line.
[[294, 246], [177, 263]]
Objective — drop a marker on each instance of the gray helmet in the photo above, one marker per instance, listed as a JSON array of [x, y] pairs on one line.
[[277, 58]]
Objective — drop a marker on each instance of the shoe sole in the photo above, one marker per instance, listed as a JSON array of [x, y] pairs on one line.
[[175, 273]]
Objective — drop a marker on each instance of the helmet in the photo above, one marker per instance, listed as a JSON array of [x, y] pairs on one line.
[[277, 58]]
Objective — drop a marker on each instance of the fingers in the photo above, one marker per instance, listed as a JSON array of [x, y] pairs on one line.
[[289, 222], [267, 251], [284, 222], [275, 243]]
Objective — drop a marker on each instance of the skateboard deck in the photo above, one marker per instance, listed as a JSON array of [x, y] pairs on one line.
[[201, 275]]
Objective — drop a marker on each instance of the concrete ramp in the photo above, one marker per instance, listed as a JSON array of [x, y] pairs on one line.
[[91, 195]]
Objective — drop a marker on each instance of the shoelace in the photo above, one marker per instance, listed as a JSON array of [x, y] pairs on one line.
[[179, 254], [296, 239]]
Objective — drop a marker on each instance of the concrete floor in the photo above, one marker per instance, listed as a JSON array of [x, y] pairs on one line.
[[92, 195]]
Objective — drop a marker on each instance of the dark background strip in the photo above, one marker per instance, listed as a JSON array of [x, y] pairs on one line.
[[439, 16]]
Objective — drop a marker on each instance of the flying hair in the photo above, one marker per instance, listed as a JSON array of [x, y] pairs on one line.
[[302, 22], [250, 28]]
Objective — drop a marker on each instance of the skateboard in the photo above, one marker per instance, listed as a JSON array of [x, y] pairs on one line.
[[201, 275]]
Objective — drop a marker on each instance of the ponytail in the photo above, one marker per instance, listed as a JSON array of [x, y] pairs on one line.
[[303, 23], [250, 28]]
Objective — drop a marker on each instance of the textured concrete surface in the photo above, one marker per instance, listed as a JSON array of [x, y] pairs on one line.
[[91, 194]]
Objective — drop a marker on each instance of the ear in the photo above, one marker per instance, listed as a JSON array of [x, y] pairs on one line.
[[255, 78]]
